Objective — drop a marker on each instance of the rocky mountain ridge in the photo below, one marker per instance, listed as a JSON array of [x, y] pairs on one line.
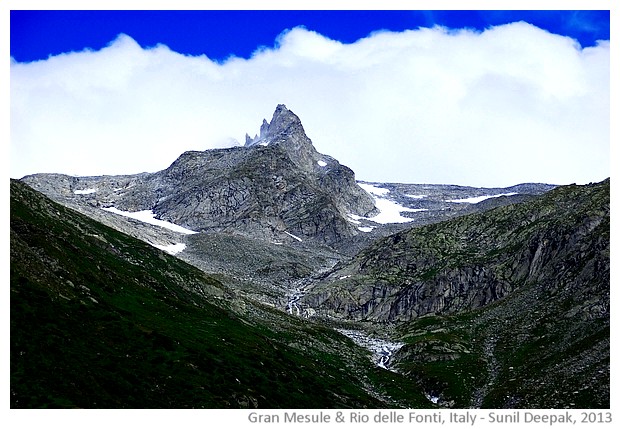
[[447, 273], [276, 191], [276, 188], [472, 261], [278, 204]]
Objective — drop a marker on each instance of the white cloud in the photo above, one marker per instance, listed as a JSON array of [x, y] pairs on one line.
[[508, 105]]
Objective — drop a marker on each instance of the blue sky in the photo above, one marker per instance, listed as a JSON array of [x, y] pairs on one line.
[[218, 34], [492, 98]]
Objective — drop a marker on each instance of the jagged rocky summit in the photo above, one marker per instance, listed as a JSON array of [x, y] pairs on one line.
[[277, 187]]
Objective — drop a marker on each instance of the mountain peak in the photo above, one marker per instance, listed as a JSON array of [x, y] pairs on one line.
[[284, 123]]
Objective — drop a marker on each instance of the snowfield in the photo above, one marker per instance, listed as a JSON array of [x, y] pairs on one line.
[[373, 190], [147, 216], [85, 191], [475, 200], [172, 249], [390, 211]]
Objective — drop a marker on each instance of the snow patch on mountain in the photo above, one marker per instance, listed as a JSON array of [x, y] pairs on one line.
[[373, 190], [475, 200], [85, 191], [389, 211], [147, 216], [293, 236], [353, 218], [172, 249]]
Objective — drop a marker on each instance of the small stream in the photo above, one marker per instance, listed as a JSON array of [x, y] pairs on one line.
[[292, 306], [492, 371], [382, 350]]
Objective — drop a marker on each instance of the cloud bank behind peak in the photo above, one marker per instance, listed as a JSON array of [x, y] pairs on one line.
[[510, 104]]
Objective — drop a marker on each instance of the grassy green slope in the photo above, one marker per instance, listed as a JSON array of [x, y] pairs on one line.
[[101, 320]]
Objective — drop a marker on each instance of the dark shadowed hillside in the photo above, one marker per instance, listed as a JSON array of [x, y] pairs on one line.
[[102, 320]]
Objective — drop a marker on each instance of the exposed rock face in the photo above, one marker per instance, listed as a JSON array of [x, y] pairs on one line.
[[559, 241], [504, 291], [277, 188], [102, 320]]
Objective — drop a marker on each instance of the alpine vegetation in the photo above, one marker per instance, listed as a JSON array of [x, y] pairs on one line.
[[267, 276]]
